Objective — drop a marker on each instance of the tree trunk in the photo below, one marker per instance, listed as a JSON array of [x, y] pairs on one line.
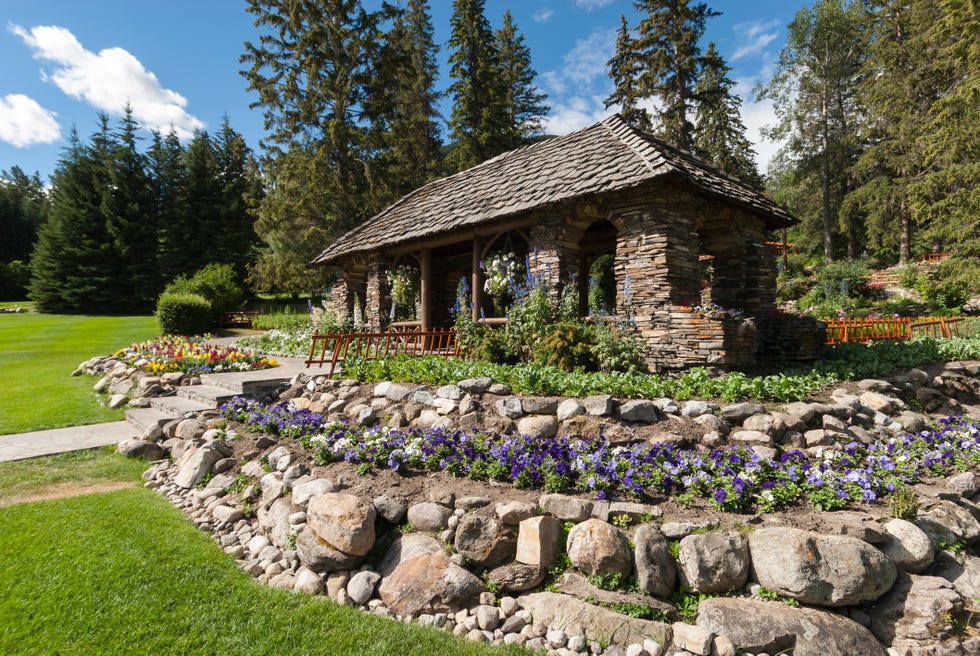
[[905, 238], [828, 244]]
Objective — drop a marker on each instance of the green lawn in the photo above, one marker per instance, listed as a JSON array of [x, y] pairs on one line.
[[125, 573], [22, 478], [38, 352]]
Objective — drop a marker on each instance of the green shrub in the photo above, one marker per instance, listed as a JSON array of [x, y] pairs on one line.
[[569, 346], [14, 278], [618, 349], [216, 283], [284, 319], [183, 314]]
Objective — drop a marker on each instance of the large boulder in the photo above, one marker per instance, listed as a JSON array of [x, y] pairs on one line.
[[908, 546], [949, 523], [921, 608], [775, 628], [486, 541], [537, 540], [516, 577], [195, 463], [565, 613], [713, 562], [819, 569], [320, 556], [418, 576], [655, 570], [599, 548], [344, 521]]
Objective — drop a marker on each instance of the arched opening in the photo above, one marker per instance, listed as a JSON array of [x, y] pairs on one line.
[[597, 269], [504, 269]]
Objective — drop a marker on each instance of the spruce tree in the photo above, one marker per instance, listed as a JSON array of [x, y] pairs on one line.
[[23, 205], [479, 123], [128, 208], [238, 190], [524, 105], [168, 174], [669, 55], [71, 265], [200, 206], [624, 69], [719, 133]]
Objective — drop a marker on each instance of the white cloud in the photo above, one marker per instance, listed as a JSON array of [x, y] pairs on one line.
[[754, 37], [590, 5], [23, 122], [584, 65], [108, 80], [544, 15], [575, 113]]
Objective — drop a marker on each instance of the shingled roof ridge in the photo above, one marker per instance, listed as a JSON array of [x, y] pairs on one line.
[[634, 140]]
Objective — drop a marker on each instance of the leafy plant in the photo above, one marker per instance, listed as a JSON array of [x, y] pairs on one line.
[[183, 313], [904, 503]]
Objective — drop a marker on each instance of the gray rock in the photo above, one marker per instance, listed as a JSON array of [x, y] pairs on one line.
[[655, 570], [195, 463], [784, 629], [420, 396], [344, 521], [475, 385], [736, 413], [678, 530], [878, 402], [713, 423], [911, 422], [451, 392], [141, 449], [566, 508], [510, 408], [540, 405], [303, 492], [428, 516], [427, 580], [360, 588], [391, 509], [577, 585], [819, 569], [569, 408], [600, 405], [513, 513], [713, 562], [832, 424], [499, 389], [598, 548], [561, 612], [962, 570], [916, 608], [751, 438], [908, 546], [803, 411], [695, 408], [118, 401], [693, 638], [965, 484], [308, 582], [189, 429], [667, 406], [485, 541], [320, 556], [949, 523], [516, 577], [538, 425], [639, 411], [764, 423]]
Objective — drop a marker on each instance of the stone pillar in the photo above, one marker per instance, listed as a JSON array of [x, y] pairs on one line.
[[348, 291], [377, 297], [545, 256], [340, 303]]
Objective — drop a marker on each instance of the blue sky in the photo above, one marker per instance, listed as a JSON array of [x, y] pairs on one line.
[[176, 63]]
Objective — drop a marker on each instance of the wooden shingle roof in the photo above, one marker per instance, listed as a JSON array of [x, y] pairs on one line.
[[605, 157]]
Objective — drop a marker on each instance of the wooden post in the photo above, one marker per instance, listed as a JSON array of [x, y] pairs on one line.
[[425, 291], [476, 278], [785, 250], [582, 282]]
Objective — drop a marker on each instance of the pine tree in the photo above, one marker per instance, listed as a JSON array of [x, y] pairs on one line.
[[719, 133], [238, 191], [312, 70], [200, 206], [168, 172], [23, 205], [71, 265], [403, 101], [524, 104], [669, 56], [479, 123], [624, 69], [128, 208], [814, 94]]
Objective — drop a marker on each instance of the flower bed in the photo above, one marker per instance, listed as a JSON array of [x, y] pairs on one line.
[[734, 478], [192, 355]]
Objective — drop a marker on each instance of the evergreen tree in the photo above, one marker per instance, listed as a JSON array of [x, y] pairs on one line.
[[23, 205], [814, 94], [71, 265], [479, 123], [200, 207], [624, 69], [669, 56], [238, 190], [403, 100], [312, 69], [128, 209], [719, 133], [168, 172], [524, 105]]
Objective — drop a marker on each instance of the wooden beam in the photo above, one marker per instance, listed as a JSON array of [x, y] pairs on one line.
[[425, 291], [476, 277]]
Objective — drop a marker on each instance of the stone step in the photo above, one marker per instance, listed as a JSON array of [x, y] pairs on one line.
[[207, 394], [248, 383], [143, 418], [178, 405]]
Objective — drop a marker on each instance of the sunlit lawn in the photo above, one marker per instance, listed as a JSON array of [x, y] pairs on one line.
[[38, 352]]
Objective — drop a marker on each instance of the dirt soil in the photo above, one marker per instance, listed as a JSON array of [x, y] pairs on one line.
[[64, 490]]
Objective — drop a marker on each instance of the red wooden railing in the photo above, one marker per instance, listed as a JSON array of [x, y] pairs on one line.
[[331, 348], [866, 330]]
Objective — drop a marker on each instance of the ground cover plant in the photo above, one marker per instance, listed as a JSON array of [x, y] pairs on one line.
[[133, 576], [192, 355], [732, 478], [39, 351]]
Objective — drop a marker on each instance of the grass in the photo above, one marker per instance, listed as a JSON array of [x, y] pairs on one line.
[[39, 352], [125, 573], [22, 478]]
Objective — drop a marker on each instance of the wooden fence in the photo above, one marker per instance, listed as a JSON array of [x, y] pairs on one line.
[[861, 331], [332, 348]]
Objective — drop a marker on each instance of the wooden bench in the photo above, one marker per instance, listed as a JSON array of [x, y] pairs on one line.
[[239, 319]]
